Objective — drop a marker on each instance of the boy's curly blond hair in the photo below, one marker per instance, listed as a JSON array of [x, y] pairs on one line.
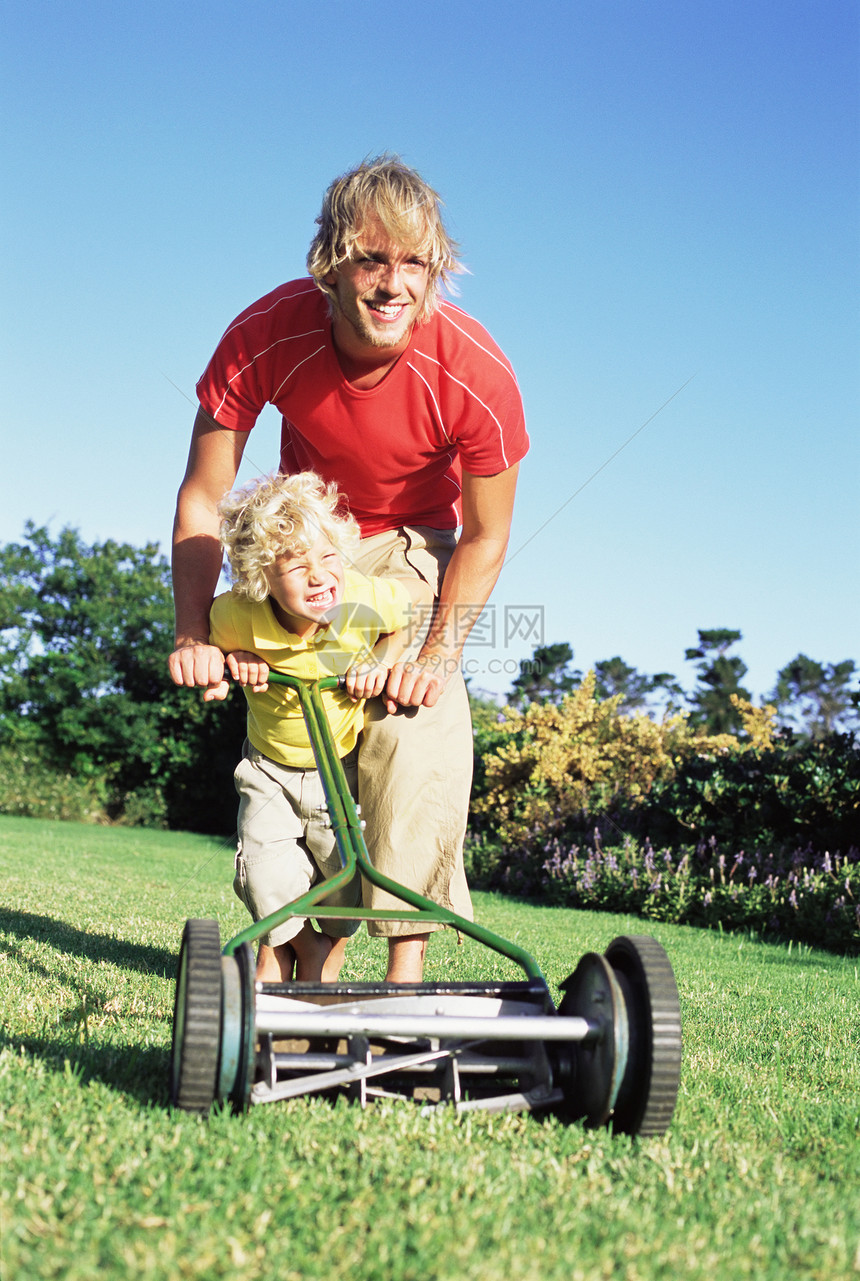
[[280, 514]]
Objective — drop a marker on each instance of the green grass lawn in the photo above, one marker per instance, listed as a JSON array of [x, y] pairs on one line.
[[758, 1177]]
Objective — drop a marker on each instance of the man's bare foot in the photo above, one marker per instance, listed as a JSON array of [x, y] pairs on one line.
[[406, 958], [275, 964]]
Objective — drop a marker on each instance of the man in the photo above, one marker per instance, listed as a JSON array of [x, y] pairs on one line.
[[408, 405]]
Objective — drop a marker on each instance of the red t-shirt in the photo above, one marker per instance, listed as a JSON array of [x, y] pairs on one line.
[[397, 450]]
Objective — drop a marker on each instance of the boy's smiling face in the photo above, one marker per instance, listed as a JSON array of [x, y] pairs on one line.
[[305, 586]]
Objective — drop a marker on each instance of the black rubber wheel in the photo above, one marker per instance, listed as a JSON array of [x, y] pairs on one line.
[[649, 1087], [196, 1019]]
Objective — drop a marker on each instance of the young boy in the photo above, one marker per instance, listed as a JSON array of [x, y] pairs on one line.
[[297, 607]]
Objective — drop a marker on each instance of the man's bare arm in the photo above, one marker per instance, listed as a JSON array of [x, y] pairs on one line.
[[213, 461], [368, 677]]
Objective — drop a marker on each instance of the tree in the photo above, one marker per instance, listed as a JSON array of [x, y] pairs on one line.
[[615, 677], [719, 677], [545, 677], [84, 636], [816, 698]]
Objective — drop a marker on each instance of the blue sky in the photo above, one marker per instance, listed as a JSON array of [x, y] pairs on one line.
[[656, 203]]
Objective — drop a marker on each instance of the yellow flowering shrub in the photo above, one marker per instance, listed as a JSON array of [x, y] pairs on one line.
[[759, 723], [558, 760]]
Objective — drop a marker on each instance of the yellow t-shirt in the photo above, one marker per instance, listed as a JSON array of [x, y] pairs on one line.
[[371, 607]]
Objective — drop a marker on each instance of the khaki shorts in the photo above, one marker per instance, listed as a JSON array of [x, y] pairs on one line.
[[415, 768], [285, 846]]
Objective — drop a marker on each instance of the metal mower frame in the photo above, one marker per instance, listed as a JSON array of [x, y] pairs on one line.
[[610, 1053]]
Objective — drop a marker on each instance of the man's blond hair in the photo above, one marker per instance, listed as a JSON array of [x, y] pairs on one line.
[[409, 211], [276, 515]]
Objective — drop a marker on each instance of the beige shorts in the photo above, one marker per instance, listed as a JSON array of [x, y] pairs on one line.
[[285, 846], [415, 768]]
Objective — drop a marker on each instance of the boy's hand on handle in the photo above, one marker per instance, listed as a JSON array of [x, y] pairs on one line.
[[365, 680], [197, 664], [244, 667], [249, 669]]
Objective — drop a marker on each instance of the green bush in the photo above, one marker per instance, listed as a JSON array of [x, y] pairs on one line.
[[571, 800], [559, 771], [555, 767], [85, 631], [787, 794], [32, 787]]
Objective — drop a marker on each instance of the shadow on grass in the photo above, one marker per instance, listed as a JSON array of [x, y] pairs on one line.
[[70, 940], [139, 1073]]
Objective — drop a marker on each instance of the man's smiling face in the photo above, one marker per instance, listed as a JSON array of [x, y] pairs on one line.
[[378, 293]]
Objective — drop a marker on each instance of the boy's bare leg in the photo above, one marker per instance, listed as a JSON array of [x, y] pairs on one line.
[[310, 957], [334, 961], [312, 951], [275, 964], [406, 958]]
